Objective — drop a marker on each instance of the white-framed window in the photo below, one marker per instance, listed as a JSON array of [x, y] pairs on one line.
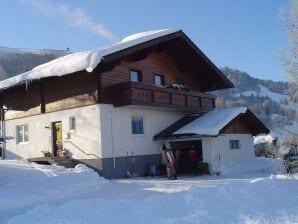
[[234, 144], [137, 125], [72, 123], [22, 133]]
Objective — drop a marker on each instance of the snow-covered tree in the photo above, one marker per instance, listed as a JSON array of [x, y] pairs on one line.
[[290, 60]]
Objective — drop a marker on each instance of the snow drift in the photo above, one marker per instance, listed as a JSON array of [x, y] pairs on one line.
[[35, 194]]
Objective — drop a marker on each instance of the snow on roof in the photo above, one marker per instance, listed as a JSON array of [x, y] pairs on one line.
[[212, 122], [86, 60]]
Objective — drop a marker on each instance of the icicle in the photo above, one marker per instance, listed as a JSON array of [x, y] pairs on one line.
[[27, 83]]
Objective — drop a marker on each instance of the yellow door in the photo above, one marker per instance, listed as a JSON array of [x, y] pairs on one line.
[[57, 138]]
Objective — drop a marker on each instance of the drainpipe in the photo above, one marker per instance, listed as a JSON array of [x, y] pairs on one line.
[[112, 141], [3, 131]]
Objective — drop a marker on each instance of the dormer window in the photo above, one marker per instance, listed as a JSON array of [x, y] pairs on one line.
[[159, 80], [135, 75]]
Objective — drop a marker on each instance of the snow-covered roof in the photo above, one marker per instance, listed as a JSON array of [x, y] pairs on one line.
[[86, 60], [211, 123]]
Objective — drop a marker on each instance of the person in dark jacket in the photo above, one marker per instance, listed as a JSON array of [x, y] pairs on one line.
[[169, 161]]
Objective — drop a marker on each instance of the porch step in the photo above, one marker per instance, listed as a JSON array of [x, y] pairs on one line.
[[68, 163]]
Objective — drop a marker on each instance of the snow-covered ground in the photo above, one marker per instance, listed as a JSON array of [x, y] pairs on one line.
[[33, 193], [264, 92]]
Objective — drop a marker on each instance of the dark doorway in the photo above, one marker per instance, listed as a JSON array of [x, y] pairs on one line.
[[57, 139], [188, 155]]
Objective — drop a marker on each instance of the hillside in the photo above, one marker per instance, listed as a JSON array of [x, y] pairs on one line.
[[13, 62], [266, 98]]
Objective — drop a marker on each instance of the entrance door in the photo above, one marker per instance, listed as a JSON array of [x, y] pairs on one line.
[[57, 139]]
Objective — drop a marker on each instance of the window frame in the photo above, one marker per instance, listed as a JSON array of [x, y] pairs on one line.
[[162, 79], [72, 129], [131, 125], [234, 144], [139, 75], [23, 140]]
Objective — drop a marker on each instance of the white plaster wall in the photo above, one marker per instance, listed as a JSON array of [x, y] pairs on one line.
[[84, 143], [118, 140], [207, 149], [103, 131], [221, 146]]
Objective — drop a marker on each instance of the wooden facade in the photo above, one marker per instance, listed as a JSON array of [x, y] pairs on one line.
[[155, 63], [239, 126], [50, 95], [246, 123]]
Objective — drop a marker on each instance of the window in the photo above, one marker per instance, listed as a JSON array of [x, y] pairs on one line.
[[137, 125], [22, 133], [234, 144], [159, 80], [72, 123], [135, 76]]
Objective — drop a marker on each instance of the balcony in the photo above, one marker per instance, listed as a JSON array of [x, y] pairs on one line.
[[134, 93]]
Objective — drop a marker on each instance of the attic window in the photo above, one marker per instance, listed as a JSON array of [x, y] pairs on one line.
[[159, 80], [135, 75]]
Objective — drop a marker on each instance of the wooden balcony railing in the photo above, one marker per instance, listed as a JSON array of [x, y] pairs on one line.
[[134, 93]]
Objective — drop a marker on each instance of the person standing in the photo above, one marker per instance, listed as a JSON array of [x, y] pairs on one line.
[[169, 161]]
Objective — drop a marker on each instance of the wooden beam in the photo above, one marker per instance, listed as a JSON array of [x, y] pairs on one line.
[[98, 89]]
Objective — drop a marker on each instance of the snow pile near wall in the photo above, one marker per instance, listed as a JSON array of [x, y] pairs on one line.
[[25, 184], [258, 165], [15, 172], [86, 60], [34, 194], [212, 122]]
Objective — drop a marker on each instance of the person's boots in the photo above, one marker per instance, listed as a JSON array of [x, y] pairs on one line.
[[174, 177]]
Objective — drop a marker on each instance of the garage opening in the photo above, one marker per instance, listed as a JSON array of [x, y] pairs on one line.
[[189, 157]]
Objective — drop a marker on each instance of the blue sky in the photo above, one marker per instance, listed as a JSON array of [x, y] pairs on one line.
[[246, 35]]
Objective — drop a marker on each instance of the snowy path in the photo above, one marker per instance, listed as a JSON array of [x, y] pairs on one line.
[[51, 194]]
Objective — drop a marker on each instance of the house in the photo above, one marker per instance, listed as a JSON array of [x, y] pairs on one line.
[[113, 107]]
